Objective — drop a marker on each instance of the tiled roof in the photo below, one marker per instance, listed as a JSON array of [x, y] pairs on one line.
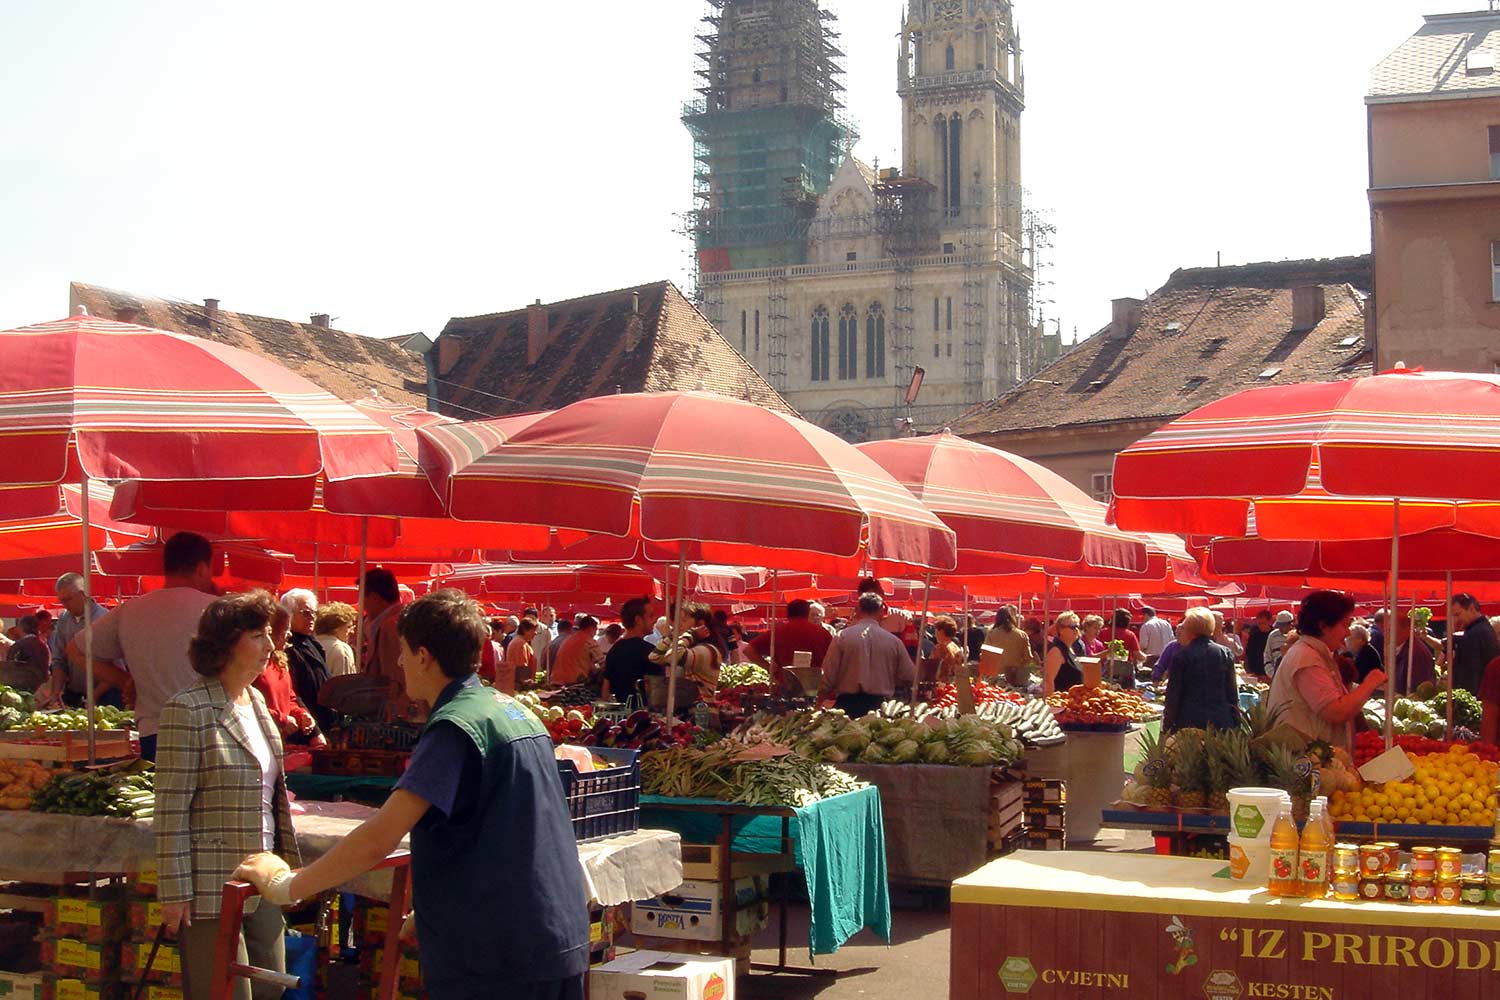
[[595, 345], [1449, 54], [348, 365], [1207, 333]]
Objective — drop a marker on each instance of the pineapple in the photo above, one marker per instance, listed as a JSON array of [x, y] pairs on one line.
[[1259, 719], [1191, 768], [1156, 771], [1293, 772], [1219, 748]]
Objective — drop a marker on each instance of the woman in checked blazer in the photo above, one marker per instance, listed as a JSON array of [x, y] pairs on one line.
[[221, 793]]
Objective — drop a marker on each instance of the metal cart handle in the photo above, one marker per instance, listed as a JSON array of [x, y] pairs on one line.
[[231, 915]]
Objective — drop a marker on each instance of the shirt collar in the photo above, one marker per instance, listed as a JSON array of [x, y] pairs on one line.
[[454, 687]]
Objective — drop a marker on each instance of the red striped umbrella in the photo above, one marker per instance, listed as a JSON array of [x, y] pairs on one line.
[[704, 477], [58, 533], [90, 397], [1325, 460], [1000, 504]]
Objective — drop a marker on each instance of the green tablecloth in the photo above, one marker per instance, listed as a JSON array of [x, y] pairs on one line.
[[839, 844], [369, 789]]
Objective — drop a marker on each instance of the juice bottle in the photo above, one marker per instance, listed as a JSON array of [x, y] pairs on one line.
[[1312, 851], [1285, 879]]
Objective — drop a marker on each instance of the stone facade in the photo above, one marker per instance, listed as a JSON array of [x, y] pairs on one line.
[[921, 266]]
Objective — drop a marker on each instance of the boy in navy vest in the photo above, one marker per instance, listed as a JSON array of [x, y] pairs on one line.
[[500, 903]]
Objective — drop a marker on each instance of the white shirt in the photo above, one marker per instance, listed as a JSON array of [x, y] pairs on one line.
[[337, 654], [151, 634], [1156, 633], [270, 770]]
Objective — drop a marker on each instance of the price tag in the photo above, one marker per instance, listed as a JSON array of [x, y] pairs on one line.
[[1393, 765]]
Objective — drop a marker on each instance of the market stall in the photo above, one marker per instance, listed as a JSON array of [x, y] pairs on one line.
[[1076, 924]]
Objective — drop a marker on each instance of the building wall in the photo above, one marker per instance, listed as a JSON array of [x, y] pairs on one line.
[[1432, 142], [1078, 454], [1435, 221]]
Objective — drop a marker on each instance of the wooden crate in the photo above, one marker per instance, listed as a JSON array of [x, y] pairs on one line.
[[69, 746]]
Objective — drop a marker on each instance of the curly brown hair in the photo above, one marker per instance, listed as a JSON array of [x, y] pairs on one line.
[[222, 624], [334, 615]]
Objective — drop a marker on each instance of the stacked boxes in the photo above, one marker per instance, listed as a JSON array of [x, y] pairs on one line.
[[1007, 814], [166, 978], [693, 911], [370, 923], [1046, 814]]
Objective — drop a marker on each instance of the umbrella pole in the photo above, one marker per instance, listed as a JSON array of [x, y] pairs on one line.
[[317, 574], [775, 599], [88, 622], [359, 619], [1448, 649], [922, 634], [1390, 636], [676, 633]]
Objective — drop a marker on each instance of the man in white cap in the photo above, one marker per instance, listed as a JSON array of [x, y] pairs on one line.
[[1276, 641]]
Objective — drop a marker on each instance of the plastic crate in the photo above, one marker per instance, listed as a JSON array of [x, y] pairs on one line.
[[604, 803]]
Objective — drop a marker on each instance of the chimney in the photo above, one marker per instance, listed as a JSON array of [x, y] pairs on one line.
[[320, 320], [536, 331], [1125, 318], [211, 309], [635, 303], [1308, 307]]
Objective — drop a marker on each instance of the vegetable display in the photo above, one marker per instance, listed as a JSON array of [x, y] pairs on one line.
[[922, 736], [946, 695], [127, 791], [1086, 706], [734, 675], [70, 720], [19, 780], [1369, 744], [1426, 714], [720, 772]]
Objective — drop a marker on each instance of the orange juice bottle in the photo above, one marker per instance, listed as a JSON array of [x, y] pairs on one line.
[[1313, 850], [1285, 843]]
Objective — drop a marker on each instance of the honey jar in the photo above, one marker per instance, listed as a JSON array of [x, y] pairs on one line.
[[1492, 892], [1346, 885], [1390, 855], [1450, 864], [1346, 857], [1372, 887], [1449, 893], [1475, 890], [1372, 860], [1494, 870], [1398, 887], [1421, 891], [1423, 862]]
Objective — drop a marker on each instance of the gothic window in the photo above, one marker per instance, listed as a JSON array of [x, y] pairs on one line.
[[940, 130], [950, 314], [848, 343], [820, 345], [950, 62], [757, 331], [875, 341], [742, 331], [936, 313], [755, 77], [955, 162]]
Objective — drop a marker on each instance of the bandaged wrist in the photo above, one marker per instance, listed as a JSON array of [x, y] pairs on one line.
[[279, 889]]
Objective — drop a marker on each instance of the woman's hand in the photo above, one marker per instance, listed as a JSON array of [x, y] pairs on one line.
[[287, 725], [1373, 679], [175, 916], [318, 742]]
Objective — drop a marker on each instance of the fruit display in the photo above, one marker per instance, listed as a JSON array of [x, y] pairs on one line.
[[572, 696], [641, 731], [896, 735], [1194, 769], [1426, 712], [68, 720], [1455, 787], [737, 675], [19, 780], [946, 695], [1369, 744], [1086, 707], [125, 790], [720, 772]]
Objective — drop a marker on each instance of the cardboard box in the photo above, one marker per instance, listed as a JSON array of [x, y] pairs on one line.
[[1046, 791], [143, 882], [166, 970], [1051, 817], [94, 920], [657, 975], [1046, 840], [78, 989], [71, 958], [692, 911], [144, 918]]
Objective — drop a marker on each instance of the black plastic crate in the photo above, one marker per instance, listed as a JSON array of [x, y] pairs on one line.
[[604, 803]]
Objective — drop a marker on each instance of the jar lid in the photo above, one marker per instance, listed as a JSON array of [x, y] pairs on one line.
[[1398, 877]]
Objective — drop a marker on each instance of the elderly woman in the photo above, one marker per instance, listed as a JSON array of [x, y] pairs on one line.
[[1092, 644], [1307, 689], [1366, 656], [332, 628], [221, 793], [304, 655], [291, 716], [1201, 686], [1059, 669]]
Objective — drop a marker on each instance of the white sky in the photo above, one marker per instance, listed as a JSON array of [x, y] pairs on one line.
[[398, 164]]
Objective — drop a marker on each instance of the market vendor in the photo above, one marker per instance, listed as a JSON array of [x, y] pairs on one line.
[[797, 634], [1060, 670], [1474, 643], [500, 903], [1009, 653], [1307, 689], [866, 663]]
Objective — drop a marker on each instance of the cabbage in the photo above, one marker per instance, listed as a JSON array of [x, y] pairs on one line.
[[874, 754], [975, 758], [935, 753], [1437, 729], [852, 740], [833, 755], [906, 752]]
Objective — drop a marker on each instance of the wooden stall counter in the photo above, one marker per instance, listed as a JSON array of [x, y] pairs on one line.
[[1098, 925]]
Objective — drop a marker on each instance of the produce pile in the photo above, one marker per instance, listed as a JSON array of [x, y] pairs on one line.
[[717, 772], [1369, 744], [740, 675], [1195, 768], [642, 731], [15, 718], [126, 790], [19, 780], [1081, 707], [564, 725], [946, 695], [1032, 723], [1426, 713], [896, 735], [1455, 787]]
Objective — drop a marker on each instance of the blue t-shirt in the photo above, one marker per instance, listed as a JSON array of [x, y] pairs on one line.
[[444, 772]]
